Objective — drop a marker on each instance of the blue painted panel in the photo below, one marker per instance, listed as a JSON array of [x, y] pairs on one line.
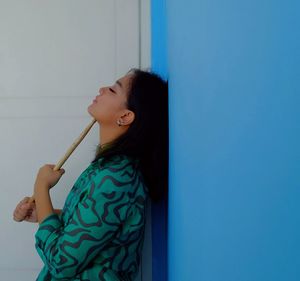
[[159, 38], [233, 70]]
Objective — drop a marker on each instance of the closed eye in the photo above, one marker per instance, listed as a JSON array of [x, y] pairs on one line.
[[112, 90]]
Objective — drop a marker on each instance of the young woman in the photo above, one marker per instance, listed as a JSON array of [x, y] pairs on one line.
[[99, 233]]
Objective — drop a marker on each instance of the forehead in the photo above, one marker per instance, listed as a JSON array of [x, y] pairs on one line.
[[124, 81]]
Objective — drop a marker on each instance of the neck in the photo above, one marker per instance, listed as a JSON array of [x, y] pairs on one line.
[[108, 134]]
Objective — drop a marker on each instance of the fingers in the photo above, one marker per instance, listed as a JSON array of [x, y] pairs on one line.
[[19, 214], [24, 200], [22, 209], [31, 217]]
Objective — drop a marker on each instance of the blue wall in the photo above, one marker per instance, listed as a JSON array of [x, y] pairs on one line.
[[234, 203]]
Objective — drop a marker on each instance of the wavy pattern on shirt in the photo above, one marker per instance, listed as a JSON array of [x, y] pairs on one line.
[[100, 234]]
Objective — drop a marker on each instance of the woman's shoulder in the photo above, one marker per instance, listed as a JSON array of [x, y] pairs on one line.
[[117, 166], [119, 171], [117, 162]]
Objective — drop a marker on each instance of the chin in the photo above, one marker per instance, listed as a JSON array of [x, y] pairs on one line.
[[89, 110]]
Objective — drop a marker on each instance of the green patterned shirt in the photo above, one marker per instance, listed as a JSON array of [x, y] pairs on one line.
[[100, 233]]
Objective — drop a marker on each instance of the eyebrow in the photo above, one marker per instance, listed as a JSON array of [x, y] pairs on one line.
[[119, 83]]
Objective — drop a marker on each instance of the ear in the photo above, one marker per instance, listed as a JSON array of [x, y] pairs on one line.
[[127, 117]]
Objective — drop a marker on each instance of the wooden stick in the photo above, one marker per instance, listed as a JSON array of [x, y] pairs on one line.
[[70, 150]]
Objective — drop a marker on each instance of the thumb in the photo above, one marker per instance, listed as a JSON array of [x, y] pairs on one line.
[[59, 172]]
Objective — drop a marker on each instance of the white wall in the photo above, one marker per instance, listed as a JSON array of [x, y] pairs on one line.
[[54, 56]]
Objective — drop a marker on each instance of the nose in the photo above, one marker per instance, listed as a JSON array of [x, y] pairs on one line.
[[100, 91]]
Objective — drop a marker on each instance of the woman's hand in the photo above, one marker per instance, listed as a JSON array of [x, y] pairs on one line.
[[25, 211], [47, 178]]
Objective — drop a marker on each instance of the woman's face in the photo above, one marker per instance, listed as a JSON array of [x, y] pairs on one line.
[[110, 105]]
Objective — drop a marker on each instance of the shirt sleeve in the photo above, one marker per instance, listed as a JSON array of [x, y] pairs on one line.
[[67, 249]]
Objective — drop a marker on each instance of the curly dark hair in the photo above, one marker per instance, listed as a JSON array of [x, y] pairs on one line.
[[147, 138]]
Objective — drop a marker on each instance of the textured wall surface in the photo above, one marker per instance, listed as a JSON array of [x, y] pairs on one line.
[[54, 56]]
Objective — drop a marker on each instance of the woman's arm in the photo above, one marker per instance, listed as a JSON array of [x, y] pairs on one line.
[[43, 203], [94, 225]]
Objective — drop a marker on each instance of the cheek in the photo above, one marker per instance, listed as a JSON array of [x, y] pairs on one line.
[[107, 109], [112, 106], [104, 110]]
